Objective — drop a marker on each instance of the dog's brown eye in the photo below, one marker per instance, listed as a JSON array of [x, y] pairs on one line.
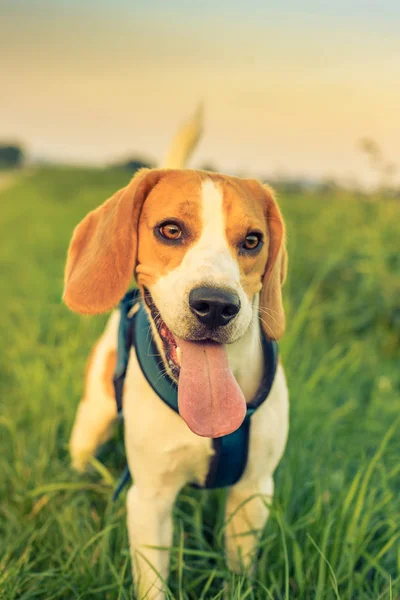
[[252, 241], [170, 231]]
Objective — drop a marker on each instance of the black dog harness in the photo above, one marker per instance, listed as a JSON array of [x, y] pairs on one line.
[[229, 461]]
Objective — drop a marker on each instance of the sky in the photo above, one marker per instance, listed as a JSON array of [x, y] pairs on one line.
[[289, 88]]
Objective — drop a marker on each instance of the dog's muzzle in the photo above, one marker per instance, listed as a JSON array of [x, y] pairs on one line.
[[214, 307]]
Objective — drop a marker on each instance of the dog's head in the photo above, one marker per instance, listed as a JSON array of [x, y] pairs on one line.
[[208, 254]]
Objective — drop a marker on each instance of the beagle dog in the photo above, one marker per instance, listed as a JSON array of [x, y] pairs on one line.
[[208, 255]]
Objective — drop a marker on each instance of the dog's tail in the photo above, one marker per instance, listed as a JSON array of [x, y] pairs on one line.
[[184, 142]]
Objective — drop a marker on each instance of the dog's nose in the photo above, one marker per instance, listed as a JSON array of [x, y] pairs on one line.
[[214, 307]]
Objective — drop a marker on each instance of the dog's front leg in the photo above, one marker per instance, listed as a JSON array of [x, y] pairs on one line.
[[246, 514], [150, 537]]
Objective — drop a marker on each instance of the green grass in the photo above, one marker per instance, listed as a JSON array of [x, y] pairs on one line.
[[335, 524]]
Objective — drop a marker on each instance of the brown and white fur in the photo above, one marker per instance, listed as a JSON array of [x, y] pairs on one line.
[[119, 239]]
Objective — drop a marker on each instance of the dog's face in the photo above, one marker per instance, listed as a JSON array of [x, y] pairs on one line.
[[202, 252], [202, 247]]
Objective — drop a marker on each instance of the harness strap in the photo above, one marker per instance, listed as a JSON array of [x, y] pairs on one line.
[[230, 451], [125, 341]]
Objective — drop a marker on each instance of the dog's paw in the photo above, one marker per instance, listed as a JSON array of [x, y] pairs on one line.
[[80, 458]]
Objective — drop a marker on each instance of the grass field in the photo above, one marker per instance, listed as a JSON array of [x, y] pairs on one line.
[[334, 531]]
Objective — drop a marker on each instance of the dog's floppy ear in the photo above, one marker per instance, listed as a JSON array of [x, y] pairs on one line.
[[271, 306], [102, 253], [272, 315]]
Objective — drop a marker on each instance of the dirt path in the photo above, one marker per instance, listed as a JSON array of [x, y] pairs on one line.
[[8, 178]]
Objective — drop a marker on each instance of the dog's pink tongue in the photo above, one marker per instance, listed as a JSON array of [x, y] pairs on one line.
[[209, 398]]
